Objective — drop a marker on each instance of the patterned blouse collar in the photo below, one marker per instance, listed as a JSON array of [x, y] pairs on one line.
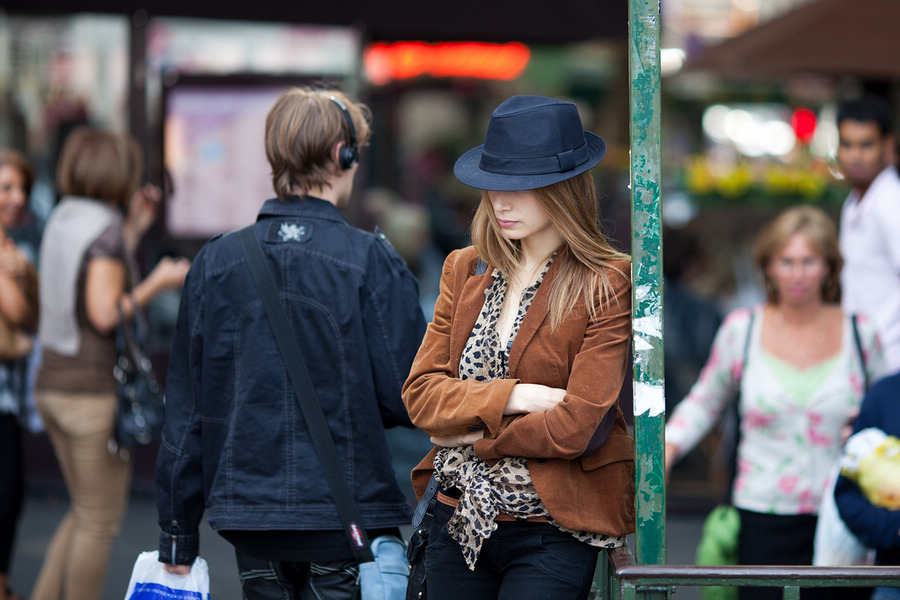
[[484, 357]]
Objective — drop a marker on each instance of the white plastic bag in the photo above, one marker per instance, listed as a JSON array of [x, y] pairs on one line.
[[834, 545], [149, 581]]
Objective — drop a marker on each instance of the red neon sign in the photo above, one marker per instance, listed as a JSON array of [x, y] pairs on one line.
[[385, 62]]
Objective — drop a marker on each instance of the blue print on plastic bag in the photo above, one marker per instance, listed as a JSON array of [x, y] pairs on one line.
[[155, 591]]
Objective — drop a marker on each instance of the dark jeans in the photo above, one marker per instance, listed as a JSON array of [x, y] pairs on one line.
[[263, 579], [12, 485], [520, 561]]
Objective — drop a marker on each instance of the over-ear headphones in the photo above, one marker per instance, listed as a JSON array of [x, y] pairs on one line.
[[347, 155]]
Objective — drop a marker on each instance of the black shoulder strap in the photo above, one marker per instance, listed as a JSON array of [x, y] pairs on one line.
[[305, 393], [859, 350]]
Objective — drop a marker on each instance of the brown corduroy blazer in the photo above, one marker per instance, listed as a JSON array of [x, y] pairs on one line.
[[579, 453]]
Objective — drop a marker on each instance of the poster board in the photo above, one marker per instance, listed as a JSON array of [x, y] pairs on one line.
[[214, 152]]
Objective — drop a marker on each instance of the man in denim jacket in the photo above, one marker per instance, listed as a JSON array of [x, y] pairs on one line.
[[235, 442]]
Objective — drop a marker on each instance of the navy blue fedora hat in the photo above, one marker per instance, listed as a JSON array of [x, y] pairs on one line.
[[531, 142]]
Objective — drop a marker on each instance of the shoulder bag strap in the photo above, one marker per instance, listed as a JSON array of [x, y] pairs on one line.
[[732, 466], [305, 393], [859, 350]]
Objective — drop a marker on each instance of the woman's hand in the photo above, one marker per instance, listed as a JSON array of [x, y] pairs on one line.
[[12, 260], [177, 569], [671, 458], [453, 441], [16, 304], [532, 397], [169, 273], [142, 213], [847, 429]]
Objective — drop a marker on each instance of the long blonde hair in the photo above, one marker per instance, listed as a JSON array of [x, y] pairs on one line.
[[584, 258]]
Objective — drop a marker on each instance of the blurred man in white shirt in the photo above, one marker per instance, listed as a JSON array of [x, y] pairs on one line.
[[870, 218]]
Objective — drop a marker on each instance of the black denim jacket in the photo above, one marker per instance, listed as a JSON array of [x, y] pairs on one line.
[[235, 442]]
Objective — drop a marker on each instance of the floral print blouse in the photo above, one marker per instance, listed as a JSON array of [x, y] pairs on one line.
[[790, 436], [506, 486]]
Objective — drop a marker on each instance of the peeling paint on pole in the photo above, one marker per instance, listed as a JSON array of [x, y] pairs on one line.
[[646, 248]]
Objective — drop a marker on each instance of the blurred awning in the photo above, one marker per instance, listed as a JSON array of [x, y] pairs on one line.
[[839, 37], [427, 20]]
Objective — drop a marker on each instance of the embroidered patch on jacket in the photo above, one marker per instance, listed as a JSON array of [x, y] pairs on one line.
[[291, 232]]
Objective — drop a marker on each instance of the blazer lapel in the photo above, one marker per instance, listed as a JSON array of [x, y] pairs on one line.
[[471, 301]]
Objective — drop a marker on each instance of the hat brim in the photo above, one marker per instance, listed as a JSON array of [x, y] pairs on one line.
[[468, 170]]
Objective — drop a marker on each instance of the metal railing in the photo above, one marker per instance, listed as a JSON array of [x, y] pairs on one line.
[[620, 578]]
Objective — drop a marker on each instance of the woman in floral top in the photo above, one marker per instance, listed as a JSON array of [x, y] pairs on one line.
[[518, 376], [801, 367]]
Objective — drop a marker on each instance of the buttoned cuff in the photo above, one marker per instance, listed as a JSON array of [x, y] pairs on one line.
[[175, 549]]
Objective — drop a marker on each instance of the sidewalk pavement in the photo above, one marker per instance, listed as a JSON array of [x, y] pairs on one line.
[[139, 533]]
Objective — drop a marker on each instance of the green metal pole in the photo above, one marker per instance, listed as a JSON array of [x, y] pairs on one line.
[[649, 399]]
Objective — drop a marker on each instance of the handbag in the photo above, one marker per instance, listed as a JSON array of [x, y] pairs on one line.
[[415, 550], [141, 401], [383, 571], [719, 546], [150, 581]]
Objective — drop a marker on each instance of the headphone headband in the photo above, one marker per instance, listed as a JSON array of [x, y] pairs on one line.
[[348, 155]]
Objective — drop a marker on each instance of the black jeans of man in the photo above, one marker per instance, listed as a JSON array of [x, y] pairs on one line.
[[520, 561], [263, 579]]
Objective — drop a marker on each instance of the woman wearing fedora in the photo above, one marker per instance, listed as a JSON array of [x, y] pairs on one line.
[[518, 375]]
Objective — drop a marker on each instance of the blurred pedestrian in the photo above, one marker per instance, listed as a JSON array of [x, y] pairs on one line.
[[878, 527], [690, 320], [518, 376], [800, 373], [870, 219], [18, 322], [86, 273], [235, 441]]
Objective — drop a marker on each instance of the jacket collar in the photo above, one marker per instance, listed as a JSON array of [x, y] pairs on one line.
[[302, 206]]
